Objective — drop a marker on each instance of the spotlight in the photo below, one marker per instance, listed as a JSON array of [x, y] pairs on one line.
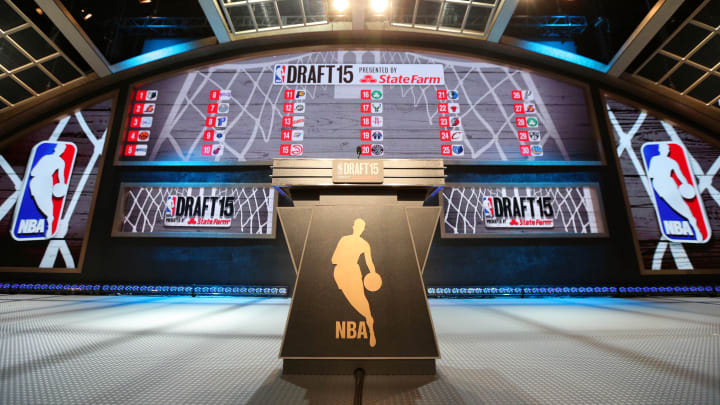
[[39, 11], [87, 16], [378, 6], [144, 1], [341, 5]]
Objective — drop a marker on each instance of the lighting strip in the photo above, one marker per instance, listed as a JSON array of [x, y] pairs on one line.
[[470, 292], [135, 289]]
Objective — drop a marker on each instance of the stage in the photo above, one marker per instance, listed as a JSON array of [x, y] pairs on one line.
[[162, 350]]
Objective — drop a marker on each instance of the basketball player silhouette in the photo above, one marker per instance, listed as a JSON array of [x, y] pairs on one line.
[[41, 185], [348, 276], [660, 172]]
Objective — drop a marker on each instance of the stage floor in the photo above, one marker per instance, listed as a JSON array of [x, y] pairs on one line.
[[171, 350]]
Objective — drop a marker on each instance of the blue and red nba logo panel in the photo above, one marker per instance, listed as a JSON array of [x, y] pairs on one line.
[[680, 211], [44, 191], [280, 74], [170, 206], [488, 208]]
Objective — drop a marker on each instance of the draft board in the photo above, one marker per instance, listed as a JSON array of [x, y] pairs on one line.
[[350, 103]]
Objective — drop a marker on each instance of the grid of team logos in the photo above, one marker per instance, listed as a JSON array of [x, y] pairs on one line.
[[349, 104]]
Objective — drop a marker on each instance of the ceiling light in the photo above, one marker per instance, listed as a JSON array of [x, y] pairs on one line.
[[87, 16], [144, 1], [341, 5], [378, 6], [39, 11]]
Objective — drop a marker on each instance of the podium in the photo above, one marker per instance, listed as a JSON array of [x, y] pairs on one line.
[[351, 218]]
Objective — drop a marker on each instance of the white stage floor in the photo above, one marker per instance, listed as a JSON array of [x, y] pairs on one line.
[[172, 350]]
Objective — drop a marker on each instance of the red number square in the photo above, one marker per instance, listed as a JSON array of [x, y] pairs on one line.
[[214, 94], [210, 121], [520, 122], [285, 150], [519, 108], [212, 108], [208, 135], [287, 122], [444, 121], [523, 136], [443, 108], [442, 94], [289, 94], [365, 107], [206, 150], [517, 95], [525, 150], [445, 136], [365, 135], [446, 150], [138, 108], [135, 122], [132, 136], [365, 150], [130, 150], [365, 121], [288, 107], [365, 94], [286, 135], [140, 95]]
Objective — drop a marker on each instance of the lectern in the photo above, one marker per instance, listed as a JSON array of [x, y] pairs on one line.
[[359, 236]]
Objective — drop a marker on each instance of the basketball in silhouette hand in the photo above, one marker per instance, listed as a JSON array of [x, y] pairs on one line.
[[59, 190], [372, 282], [687, 191]]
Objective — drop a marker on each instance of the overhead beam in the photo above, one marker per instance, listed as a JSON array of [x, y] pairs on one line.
[[643, 34], [215, 19], [503, 13], [59, 15]]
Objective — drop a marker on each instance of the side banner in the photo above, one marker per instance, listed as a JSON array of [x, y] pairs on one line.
[[196, 210], [47, 187], [672, 192], [522, 210]]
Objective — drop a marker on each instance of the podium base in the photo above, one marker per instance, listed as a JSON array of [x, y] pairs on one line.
[[348, 366]]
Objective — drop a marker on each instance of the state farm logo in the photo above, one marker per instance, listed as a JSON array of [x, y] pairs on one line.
[[368, 79]]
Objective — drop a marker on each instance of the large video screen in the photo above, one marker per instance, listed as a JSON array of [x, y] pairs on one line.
[[358, 103], [671, 185], [47, 186]]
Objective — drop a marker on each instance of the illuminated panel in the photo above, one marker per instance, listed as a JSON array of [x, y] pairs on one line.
[[196, 210], [345, 104], [47, 186], [672, 192], [522, 210]]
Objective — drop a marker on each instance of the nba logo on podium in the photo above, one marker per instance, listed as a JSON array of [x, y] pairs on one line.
[[170, 206], [488, 209], [678, 204], [44, 191]]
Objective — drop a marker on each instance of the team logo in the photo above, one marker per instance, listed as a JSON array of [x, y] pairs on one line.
[[146, 122], [532, 122], [300, 94], [536, 150], [456, 136], [534, 136], [453, 108], [135, 150], [377, 135], [296, 150], [280, 71], [297, 135], [453, 95], [298, 121], [458, 150], [143, 135], [223, 108], [455, 122], [530, 109], [376, 95], [212, 149], [368, 79], [377, 107], [213, 136], [221, 122], [44, 191], [678, 205], [378, 150], [299, 107]]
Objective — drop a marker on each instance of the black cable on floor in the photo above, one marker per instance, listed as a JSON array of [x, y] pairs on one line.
[[359, 379]]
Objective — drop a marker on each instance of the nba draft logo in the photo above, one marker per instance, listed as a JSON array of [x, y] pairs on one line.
[[488, 210], [678, 205], [170, 206], [44, 191], [280, 74]]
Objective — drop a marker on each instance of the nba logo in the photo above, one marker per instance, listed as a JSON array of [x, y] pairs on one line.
[[44, 191], [279, 74], [678, 205], [488, 210], [170, 206]]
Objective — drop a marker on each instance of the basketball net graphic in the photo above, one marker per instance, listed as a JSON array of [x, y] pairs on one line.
[[58, 244], [625, 150]]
